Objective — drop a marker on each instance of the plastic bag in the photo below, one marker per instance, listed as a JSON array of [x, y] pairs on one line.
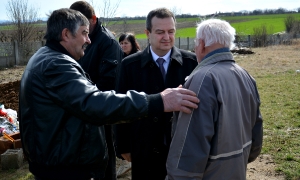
[[8, 120], [9, 114]]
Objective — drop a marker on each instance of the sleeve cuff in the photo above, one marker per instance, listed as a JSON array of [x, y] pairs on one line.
[[155, 104]]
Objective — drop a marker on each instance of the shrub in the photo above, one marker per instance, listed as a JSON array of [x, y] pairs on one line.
[[289, 23], [260, 35]]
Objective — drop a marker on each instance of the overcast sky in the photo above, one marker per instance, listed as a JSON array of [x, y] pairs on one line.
[[133, 8]]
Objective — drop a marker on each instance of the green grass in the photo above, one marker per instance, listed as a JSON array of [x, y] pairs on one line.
[[243, 24], [11, 27], [144, 21], [279, 88], [280, 97]]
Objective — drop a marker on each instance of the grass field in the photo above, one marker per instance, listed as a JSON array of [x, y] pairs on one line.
[[274, 69], [243, 24], [274, 23], [10, 27]]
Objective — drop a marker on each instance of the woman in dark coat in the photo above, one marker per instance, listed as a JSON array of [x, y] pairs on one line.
[[128, 44]]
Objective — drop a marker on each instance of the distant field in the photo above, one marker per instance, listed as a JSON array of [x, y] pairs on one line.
[[10, 27], [243, 24]]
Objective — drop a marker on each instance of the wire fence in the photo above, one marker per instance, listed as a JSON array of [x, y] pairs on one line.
[[17, 54]]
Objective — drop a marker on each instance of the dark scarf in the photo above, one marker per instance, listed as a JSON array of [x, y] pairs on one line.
[[56, 46]]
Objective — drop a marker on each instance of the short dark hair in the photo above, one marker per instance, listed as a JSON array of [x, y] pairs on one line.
[[64, 18], [159, 13], [131, 38], [84, 7]]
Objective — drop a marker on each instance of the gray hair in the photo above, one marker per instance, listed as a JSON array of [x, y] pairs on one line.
[[64, 18], [216, 31]]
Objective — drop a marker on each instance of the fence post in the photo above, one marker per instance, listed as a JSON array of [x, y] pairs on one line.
[[179, 42], [188, 43], [16, 52], [249, 41]]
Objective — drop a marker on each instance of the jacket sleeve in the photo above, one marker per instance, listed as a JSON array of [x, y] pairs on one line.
[[191, 143], [111, 57], [257, 134], [67, 86]]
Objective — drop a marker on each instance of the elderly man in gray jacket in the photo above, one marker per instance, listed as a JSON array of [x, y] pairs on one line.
[[217, 140]]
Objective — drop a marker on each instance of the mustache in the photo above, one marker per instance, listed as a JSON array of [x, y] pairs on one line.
[[85, 45]]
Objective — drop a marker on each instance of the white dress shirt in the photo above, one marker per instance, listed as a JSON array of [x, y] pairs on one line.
[[166, 58]]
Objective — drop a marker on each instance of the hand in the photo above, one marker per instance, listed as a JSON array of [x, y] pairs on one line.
[[127, 156], [179, 99]]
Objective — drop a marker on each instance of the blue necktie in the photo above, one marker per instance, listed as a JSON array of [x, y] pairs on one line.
[[161, 67]]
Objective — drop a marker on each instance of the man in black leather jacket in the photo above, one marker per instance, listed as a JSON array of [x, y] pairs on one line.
[[101, 59], [60, 110]]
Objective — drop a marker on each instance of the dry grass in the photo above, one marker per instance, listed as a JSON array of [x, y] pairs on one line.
[[271, 60], [274, 69]]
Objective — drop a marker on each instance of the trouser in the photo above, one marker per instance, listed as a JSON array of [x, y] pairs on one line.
[[152, 167], [110, 172]]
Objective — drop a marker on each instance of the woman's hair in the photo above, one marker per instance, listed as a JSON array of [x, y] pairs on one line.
[[131, 38], [64, 18]]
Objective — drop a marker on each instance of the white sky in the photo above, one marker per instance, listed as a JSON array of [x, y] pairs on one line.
[[133, 8]]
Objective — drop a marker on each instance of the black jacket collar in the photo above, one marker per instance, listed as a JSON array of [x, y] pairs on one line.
[[56, 46], [95, 30]]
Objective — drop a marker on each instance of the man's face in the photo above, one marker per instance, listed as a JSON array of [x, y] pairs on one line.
[[162, 36], [78, 44]]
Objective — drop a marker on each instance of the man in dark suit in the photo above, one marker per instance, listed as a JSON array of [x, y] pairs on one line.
[[161, 65]]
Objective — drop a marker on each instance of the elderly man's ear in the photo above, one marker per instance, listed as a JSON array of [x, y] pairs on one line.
[[202, 44]]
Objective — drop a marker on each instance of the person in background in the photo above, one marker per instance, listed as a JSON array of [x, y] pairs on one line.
[[217, 140], [100, 61], [62, 113], [128, 44], [146, 144]]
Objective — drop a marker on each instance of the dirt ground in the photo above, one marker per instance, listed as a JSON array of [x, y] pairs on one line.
[[263, 168]]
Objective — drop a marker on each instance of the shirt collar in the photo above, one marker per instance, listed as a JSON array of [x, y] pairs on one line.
[[220, 50], [155, 56]]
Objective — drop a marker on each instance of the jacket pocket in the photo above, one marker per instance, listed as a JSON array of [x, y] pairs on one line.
[[108, 67]]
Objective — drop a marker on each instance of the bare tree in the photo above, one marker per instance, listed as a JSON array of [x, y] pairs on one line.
[[23, 18], [107, 10], [125, 25], [176, 11]]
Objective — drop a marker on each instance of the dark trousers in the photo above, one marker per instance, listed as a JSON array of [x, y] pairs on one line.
[[152, 167], [110, 172]]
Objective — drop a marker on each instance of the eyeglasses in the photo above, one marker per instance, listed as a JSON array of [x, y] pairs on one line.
[[197, 41]]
